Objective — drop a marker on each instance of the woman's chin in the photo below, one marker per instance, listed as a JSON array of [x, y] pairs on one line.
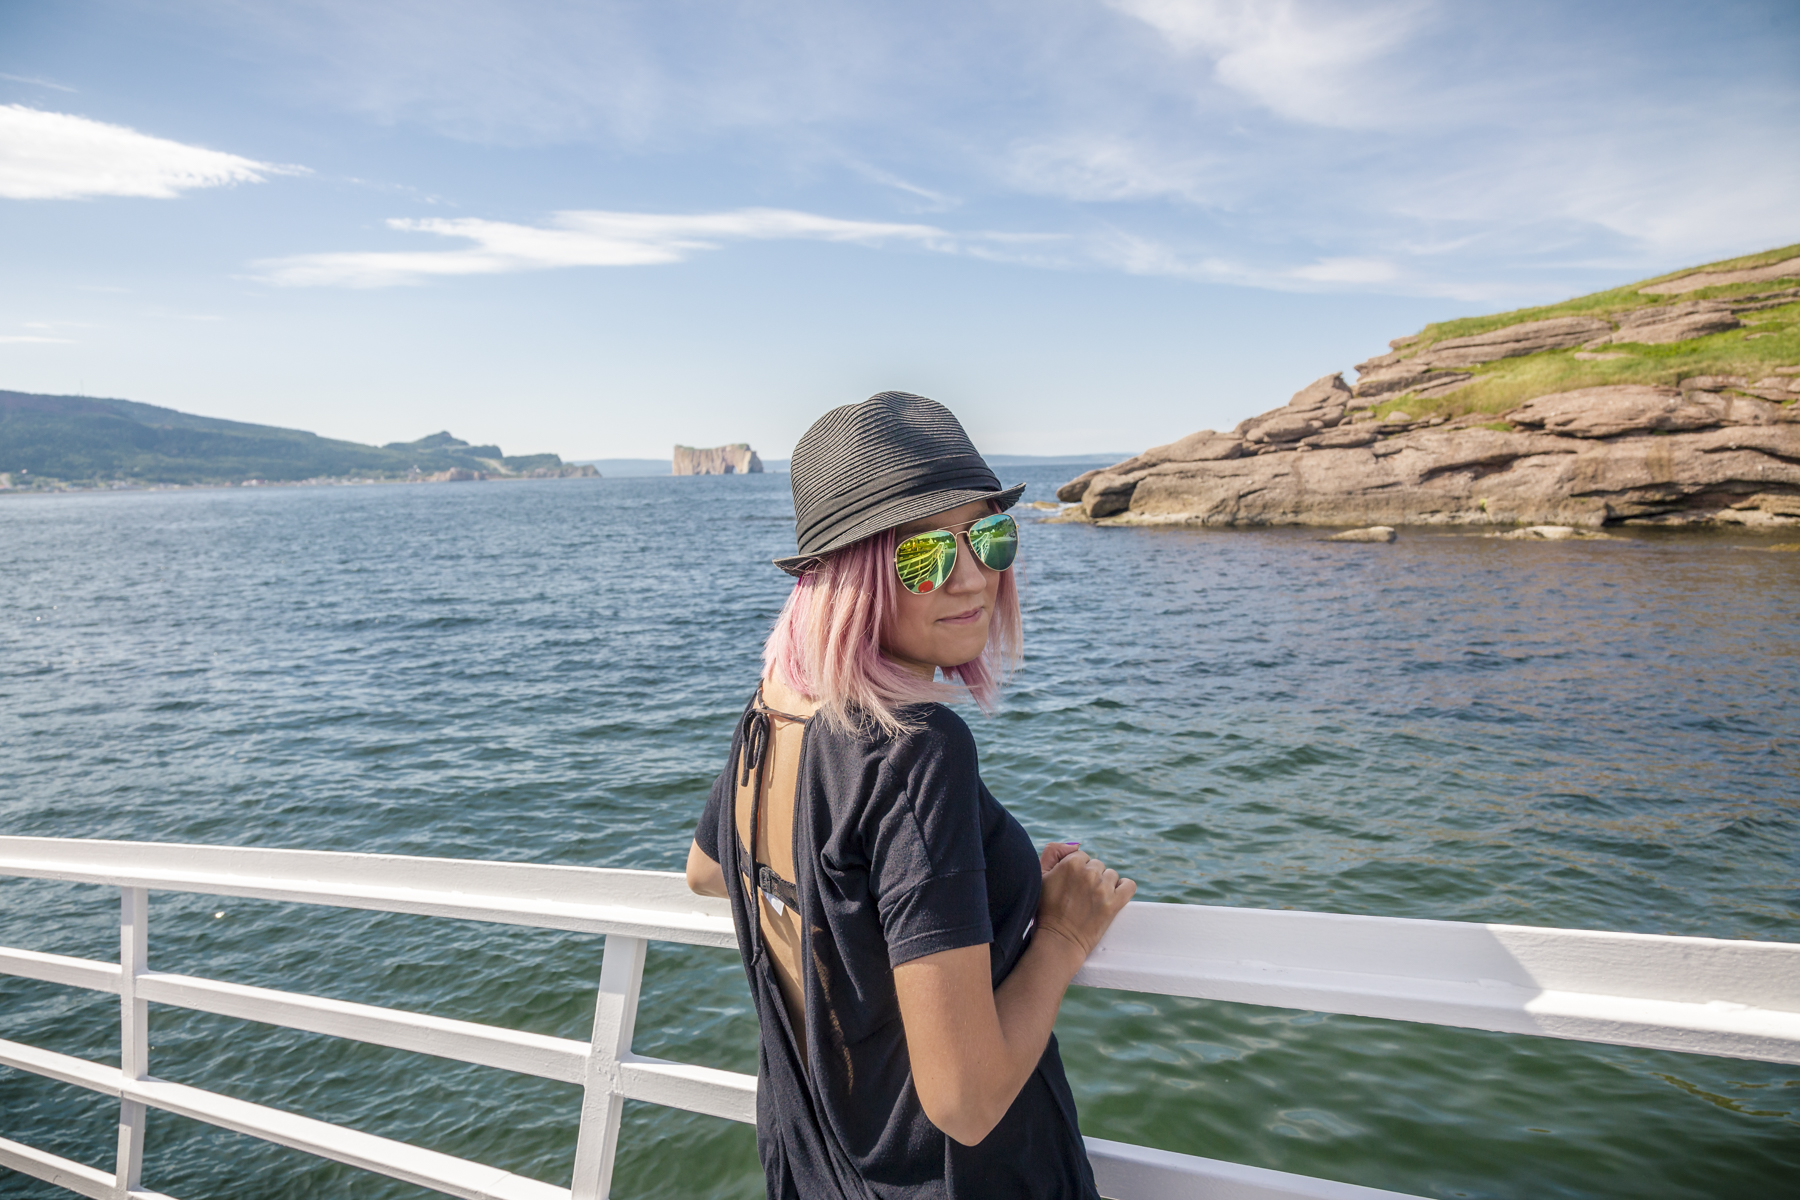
[[952, 657], [944, 653]]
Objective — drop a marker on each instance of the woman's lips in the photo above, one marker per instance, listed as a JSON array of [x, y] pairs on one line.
[[962, 618]]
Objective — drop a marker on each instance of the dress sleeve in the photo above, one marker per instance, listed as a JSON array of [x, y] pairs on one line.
[[718, 801], [928, 872]]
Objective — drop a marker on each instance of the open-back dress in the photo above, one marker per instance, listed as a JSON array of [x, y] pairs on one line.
[[845, 855]]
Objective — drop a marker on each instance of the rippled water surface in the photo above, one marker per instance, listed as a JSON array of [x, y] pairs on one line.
[[1599, 735]]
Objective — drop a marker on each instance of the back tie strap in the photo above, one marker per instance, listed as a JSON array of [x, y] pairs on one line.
[[756, 733], [756, 727]]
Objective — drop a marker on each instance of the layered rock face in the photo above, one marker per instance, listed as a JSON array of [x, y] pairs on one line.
[[1716, 449], [735, 459], [1693, 281]]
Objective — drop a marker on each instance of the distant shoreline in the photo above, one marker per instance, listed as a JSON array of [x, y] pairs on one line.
[[632, 468], [63, 489], [1000, 462]]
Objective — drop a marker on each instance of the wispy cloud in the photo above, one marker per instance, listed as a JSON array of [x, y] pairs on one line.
[[59, 156], [1424, 149], [1120, 249], [1492, 147], [499, 72], [932, 201], [1108, 168], [581, 238], [43, 83], [1300, 60], [1347, 270], [47, 333]]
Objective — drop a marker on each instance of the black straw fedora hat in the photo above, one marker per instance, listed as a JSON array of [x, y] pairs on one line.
[[868, 467]]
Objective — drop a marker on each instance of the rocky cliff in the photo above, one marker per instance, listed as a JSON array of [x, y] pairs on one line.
[[1673, 401], [735, 459]]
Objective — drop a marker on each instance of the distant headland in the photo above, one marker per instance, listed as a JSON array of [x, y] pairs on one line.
[[1673, 401], [735, 459], [60, 443]]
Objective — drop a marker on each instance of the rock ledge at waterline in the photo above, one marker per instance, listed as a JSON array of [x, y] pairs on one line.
[[1483, 429]]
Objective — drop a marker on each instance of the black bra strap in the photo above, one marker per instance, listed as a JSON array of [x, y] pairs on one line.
[[776, 886], [766, 878]]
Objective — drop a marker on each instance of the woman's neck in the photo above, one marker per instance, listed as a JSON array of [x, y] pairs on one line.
[[924, 670]]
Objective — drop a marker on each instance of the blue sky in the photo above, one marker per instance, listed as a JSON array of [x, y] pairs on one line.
[[601, 228]]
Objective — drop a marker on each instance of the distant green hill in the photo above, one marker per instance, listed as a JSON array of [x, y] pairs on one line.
[[82, 440]]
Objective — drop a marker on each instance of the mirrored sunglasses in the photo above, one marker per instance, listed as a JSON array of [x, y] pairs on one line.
[[925, 560]]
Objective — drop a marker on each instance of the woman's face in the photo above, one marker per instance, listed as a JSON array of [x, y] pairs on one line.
[[949, 626]]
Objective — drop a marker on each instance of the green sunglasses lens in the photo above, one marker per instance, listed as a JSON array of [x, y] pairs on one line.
[[924, 561], [995, 541]]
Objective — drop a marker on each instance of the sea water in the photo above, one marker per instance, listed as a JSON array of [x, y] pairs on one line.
[[1595, 735]]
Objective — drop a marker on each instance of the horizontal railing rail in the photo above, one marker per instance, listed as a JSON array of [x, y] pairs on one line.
[[1700, 995]]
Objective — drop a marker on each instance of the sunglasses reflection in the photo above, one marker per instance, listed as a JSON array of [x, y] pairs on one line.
[[925, 561]]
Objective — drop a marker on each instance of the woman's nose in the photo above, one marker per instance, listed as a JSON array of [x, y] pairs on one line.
[[965, 576]]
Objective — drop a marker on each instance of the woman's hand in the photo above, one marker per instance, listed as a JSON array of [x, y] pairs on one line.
[[1081, 897], [1055, 852]]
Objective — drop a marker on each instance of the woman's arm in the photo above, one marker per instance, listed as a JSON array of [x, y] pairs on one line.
[[704, 876], [972, 1045]]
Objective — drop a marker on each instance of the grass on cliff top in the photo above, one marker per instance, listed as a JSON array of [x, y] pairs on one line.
[[1505, 384], [1614, 300]]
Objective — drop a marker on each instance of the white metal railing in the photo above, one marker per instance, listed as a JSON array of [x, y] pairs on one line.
[[1701, 995]]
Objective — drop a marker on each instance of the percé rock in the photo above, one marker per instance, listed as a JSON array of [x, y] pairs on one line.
[[735, 459]]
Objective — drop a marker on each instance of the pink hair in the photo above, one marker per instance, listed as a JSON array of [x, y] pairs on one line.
[[826, 643]]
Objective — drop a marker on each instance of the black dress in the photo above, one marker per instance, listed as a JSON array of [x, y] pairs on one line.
[[900, 852]]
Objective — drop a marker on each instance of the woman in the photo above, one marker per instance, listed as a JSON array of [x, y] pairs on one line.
[[906, 948]]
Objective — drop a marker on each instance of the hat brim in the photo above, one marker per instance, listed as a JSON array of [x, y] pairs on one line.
[[899, 512]]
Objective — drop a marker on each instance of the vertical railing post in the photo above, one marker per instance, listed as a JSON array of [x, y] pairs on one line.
[[615, 1019], [134, 1033]]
